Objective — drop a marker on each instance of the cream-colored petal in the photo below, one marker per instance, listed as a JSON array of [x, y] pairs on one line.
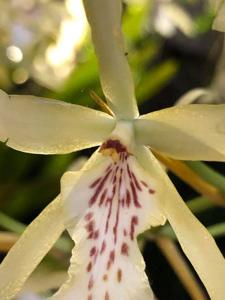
[[32, 246], [111, 202], [195, 240], [29, 296], [197, 95], [3, 100], [187, 132], [38, 125], [219, 10], [69, 182], [178, 17], [104, 17]]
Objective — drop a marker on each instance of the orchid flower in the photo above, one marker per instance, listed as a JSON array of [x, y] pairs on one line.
[[122, 190]]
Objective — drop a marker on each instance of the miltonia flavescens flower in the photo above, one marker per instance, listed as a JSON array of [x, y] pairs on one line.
[[122, 190]]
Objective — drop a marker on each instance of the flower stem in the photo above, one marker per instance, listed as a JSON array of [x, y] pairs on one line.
[[193, 179], [180, 267]]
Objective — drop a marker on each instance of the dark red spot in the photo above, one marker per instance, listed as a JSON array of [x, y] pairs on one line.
[[136, 182], [96, 256], [105, 277], [99, 189], [106, 296], [115, 228], [134, 194], [110, 208], [90, 226], [128, 198], [111, 259], [119, 275], [112, 256], [144, 183], [134, 222], [108, 168], [124, 232], [88, 216], [125, 249], [89, 267], [129, 172], [89, 297], [113, 144], [90, 236], [90, 283], [151, 191], [95, 182], [121, 173], [122, 156], [103, 247], [92, 251], [102, 197], [96, 234]]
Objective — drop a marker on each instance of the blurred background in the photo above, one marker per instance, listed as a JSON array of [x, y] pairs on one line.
[[46, 50]]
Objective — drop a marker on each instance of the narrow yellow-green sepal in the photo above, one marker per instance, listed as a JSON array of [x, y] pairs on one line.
[[39, 125], [104, 17], [29, 250]]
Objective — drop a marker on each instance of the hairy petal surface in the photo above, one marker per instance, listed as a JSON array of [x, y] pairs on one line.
[[26, 254], [112, 203], [38, 125], [196, 242], [187, 132], [104, 17]]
